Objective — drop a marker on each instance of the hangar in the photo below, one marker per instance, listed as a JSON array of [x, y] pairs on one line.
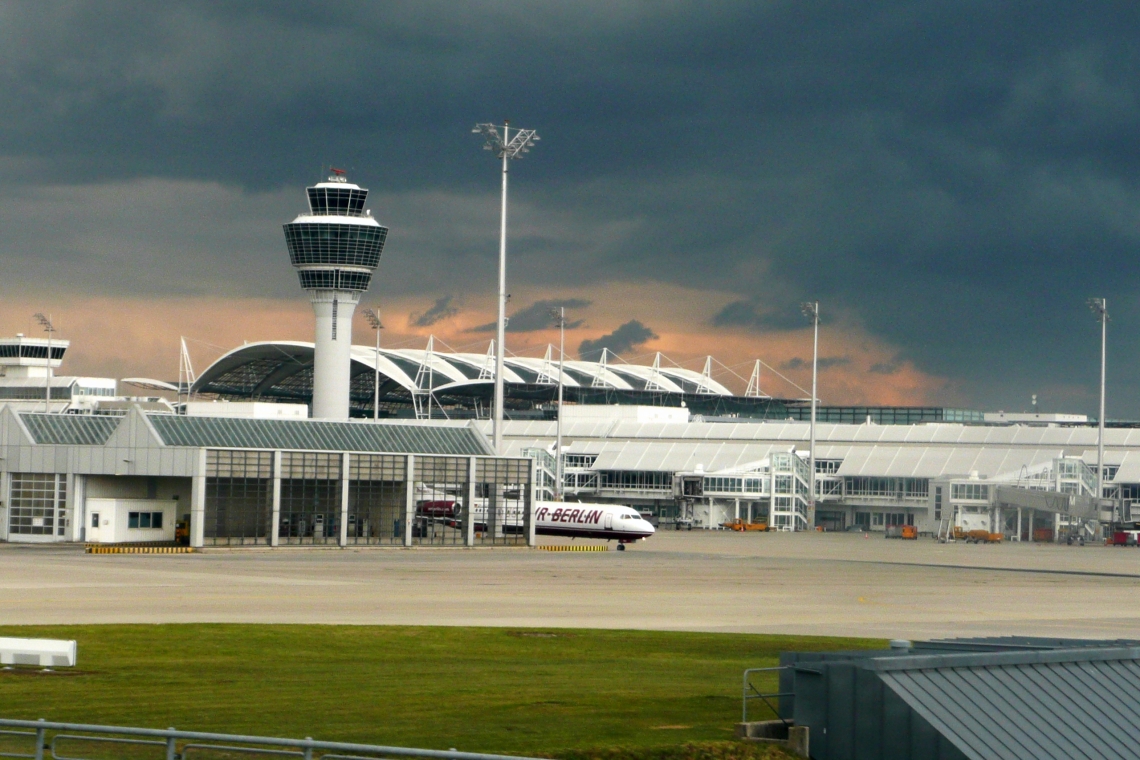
[[143, 476]]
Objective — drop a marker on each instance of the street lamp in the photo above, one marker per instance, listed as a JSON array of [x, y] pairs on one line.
[[1099, 308], [559, 316], [374, 320], [49, 328], [811, 311], [505, 148]]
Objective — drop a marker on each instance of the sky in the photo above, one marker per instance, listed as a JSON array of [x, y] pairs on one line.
[[951, 181]]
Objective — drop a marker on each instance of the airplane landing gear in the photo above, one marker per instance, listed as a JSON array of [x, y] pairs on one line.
[[621, 547]]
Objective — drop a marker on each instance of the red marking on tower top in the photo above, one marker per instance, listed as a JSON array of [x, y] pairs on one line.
[[336, 171]]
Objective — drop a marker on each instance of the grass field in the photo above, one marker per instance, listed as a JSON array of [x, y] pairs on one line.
[[550, 692]]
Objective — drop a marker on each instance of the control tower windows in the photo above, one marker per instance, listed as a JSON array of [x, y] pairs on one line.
[[335, 201], [345, 244]]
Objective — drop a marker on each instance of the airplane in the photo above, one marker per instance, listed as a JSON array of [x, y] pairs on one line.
[[608, 522]]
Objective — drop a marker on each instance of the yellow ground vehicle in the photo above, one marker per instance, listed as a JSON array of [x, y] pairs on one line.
[[740, 525]]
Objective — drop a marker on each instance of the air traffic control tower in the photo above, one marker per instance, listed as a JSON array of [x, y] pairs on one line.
[[335, 248]]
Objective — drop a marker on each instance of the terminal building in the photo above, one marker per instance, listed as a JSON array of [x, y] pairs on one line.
[[289, 442]]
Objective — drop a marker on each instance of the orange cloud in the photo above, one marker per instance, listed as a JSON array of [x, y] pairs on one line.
[[140, 337]]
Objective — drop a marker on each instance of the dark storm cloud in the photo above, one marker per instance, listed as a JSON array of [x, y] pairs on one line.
[[886, 368], [825, 362], [956, 178], [746, 313], [439, 311], [628, 336], [537, 316]]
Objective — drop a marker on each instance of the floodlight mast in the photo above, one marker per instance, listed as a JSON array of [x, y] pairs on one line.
[[49, 328], [811, 311], [374, 320], [1099, 308], [506, 149], [559, 316]]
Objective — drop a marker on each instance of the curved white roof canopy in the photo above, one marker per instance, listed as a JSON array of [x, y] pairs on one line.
[[284, 368]]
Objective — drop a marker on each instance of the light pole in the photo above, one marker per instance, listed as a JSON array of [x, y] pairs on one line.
[[505, 148], [559, 316], [1099, 307], [49, 328], [811, 311], [374, 320]]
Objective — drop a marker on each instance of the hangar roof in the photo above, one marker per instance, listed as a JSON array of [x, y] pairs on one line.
[[318, 435], [70, 429]]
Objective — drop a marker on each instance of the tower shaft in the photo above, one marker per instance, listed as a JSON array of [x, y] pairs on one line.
[[332, 356]]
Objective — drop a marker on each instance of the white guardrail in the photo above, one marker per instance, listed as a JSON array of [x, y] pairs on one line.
[[170, 744]]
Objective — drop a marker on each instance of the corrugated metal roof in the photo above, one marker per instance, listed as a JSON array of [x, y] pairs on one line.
[[1063, 704], [70, 429], [314, 435], [663, 456], [934, 433], [915, 462]]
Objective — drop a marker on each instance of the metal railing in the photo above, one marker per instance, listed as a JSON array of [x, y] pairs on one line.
[[757, 694], [183, 745]]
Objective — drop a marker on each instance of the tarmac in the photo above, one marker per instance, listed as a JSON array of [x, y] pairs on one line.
[[807, 583]]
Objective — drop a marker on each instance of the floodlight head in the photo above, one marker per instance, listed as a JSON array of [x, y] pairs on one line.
[[810, 310], [494, 140], [1099, 309], [373, 319], [44, 322]]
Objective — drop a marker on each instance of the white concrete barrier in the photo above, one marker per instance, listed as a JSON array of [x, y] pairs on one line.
[[48, 653]]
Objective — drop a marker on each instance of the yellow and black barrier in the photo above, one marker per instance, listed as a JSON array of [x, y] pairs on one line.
[[112, 549], [575, 548]]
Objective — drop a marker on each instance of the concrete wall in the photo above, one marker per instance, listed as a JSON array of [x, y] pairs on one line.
[[113, 519]]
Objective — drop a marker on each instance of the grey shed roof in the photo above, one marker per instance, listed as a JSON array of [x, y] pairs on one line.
[[1061, 704], [313, 435], [70, 429]]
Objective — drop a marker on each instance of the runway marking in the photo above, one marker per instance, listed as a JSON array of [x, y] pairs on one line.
[[1044, 571]]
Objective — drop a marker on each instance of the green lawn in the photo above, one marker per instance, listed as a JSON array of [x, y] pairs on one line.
[[477, 689]]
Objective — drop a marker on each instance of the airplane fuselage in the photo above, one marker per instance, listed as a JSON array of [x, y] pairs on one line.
[[583, 520]]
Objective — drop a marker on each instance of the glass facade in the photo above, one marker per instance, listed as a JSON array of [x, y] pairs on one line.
[[330, 243], [334, 279], [441, 501], [337, 201], [37, 505], [310, 498], [377, 499], [502, 501], [884, 415], [32, 393], [969, 492], [886, 488], [31, 352], [239, 497], [637, 480]]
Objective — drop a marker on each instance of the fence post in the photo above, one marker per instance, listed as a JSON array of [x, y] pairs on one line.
[[171, 747], [308, 750], [40, 742]]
